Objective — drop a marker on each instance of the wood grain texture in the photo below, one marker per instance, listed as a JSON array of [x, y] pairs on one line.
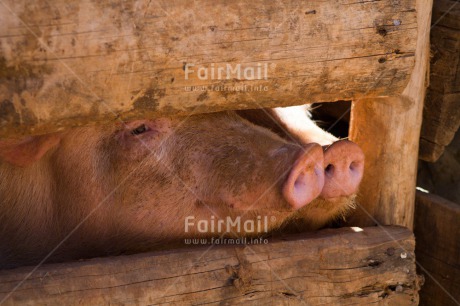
[[333, 267], [388, 131], [441, 115], [437, 229], [68, 63]]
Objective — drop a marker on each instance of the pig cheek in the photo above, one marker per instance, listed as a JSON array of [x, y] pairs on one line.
[[154, 199], [135, 150], [150, 213], [249, 184], [245, 200]]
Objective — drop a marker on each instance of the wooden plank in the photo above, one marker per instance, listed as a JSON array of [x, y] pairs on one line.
[[443, 176], [388, 131], [342, 266], [441, 115], [68, 63], [438, 249]]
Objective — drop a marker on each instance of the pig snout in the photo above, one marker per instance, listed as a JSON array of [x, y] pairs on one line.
[[306, 179], [344, 165]]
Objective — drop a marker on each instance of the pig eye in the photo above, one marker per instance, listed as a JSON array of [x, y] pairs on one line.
[[140, 129]]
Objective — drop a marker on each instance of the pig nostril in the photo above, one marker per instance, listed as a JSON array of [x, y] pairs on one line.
[[329, 169], [344, 163], [353, 166]]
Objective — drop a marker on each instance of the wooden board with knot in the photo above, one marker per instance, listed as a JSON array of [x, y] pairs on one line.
[[70, 63], [360, 266]]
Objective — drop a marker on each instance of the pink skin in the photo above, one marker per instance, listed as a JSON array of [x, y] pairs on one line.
[[27, 151], [338, 194], [344, 165], [306, 178], [343, 159], [134, 184]]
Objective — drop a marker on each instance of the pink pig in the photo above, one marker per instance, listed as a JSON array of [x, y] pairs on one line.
[[127, 187]]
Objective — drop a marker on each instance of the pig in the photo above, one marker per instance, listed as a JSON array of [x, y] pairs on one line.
[[343, 163], [132, 186]]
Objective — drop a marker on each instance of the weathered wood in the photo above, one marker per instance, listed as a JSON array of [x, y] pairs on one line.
[[441, 115], [388, 131], [437, 230], [343, 266], [67, 63], [443, 176]]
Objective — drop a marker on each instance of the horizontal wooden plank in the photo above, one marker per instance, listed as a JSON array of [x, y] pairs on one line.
[[437, 230], [341, 266], [68, 63]]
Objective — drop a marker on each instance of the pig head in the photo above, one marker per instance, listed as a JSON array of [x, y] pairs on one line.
[[125, 187], [343, 163]]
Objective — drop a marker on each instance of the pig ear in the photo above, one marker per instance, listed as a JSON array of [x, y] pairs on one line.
[[26, 151], [292, 123]]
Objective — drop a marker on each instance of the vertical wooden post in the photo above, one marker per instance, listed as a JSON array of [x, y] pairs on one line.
[[441, 114], [388, 130]]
